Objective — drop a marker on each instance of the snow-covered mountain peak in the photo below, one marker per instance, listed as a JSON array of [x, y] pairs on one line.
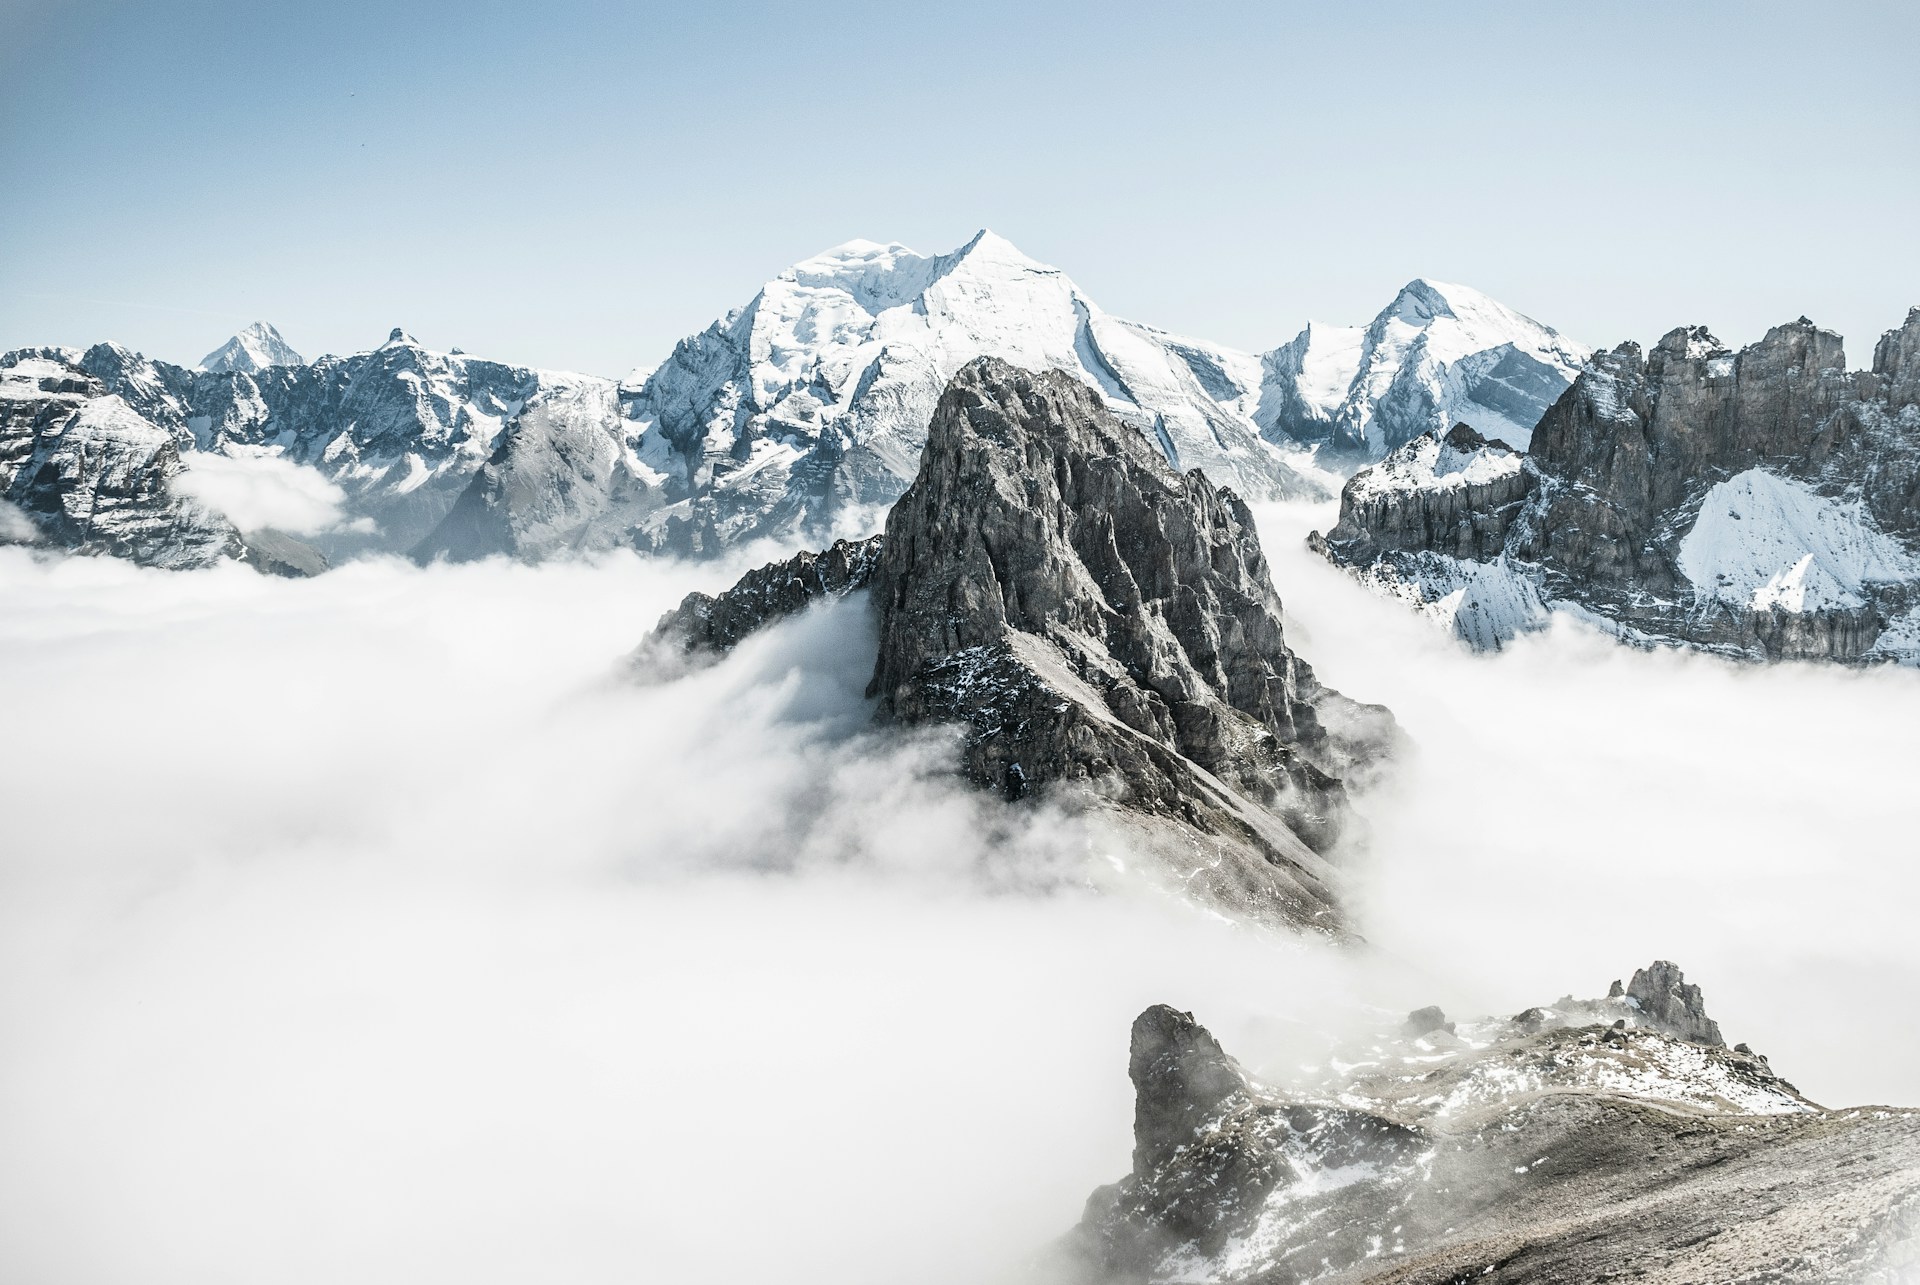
[[398, 338], [251, 351]]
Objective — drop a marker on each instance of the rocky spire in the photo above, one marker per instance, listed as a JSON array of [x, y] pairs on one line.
[[1181, 1080], [1667, 1002]]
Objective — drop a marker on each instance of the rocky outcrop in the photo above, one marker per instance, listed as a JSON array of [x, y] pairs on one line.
[[80, 469], [1764, 503], [1560, 1145], [1668, 1003], [703, 625], [1212, 1149], [1103, 629], [1454, 494]]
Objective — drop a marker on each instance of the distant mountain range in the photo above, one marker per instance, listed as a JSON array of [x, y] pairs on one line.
[[798, 416]]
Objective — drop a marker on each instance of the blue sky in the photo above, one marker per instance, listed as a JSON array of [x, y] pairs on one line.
[[578, 185]]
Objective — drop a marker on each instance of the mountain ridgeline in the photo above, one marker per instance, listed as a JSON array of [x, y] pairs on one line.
[[1101, 631], [798, 416]]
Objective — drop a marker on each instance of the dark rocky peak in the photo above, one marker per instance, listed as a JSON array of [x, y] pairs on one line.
[[1037, 512], [1104, 630], [1896, 360], [1668, 1002], [1465, 438], [1182, 1079]]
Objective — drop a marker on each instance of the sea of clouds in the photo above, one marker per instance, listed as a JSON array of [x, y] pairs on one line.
[[381, 927]]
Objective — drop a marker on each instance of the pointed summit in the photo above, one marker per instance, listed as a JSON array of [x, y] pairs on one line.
[[251, 351], [399, 338]]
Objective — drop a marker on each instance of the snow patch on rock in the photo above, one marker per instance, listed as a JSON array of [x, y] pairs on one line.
[[1762, 541]]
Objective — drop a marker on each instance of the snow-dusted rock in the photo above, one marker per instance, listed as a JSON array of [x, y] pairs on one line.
[[1585, 1141], [401, 429], [1764, 503], [1437, 356], [251, 351]]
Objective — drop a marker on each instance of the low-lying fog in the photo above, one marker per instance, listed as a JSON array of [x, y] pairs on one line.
[[373, 928]]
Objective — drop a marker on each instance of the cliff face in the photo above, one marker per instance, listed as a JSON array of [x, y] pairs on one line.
[[1590, 1140], [1103, 629], [1764, 503]]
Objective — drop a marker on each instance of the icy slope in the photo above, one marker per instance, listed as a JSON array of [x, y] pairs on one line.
[[1438, 355], [1764, 541]]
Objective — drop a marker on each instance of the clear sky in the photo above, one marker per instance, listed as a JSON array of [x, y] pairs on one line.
[[579, 184]]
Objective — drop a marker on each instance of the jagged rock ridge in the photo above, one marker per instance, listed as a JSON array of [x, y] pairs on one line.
[[1763, 504], [1593, 1140], [1102, 628]]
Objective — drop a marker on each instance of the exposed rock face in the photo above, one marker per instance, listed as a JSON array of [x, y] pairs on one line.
[[1557, 1148], [1211, 1148], [1099, 625], [1764, 503], [1455, 495], [82, 470]]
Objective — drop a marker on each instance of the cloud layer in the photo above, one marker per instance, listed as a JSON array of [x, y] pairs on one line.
[[375, 927]]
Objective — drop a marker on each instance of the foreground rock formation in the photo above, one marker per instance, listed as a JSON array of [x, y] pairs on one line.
[[1102, 629], [1763, 504], [1593, 1140]]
